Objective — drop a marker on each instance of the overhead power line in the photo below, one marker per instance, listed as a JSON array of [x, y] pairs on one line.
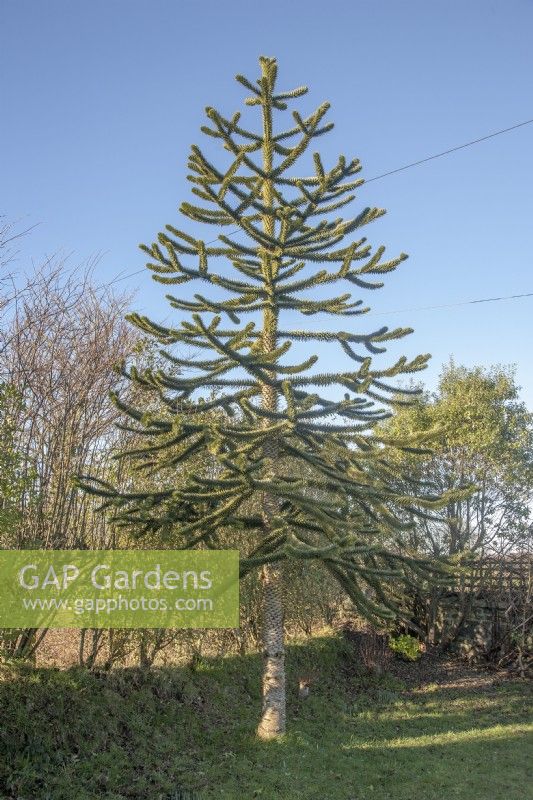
[[451, 150], [385, 175], [450, 305]]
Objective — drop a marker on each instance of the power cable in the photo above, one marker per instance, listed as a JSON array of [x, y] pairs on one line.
[[449, 305], [451, 150], [385, 175]]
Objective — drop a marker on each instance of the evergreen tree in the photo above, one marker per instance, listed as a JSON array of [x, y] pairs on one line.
[[250, 413], [485, 440]]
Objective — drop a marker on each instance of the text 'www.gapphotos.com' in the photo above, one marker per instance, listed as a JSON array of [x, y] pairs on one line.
[[109, 605]]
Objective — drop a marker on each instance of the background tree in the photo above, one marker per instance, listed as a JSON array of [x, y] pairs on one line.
[[12, 284], [270, 413], [63, 337], [485, 440], [12, 484], [8, 235]]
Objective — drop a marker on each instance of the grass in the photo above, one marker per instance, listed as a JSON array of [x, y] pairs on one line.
[[72, 735]]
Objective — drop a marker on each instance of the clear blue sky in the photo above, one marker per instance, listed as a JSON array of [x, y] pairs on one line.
[[101, 100]]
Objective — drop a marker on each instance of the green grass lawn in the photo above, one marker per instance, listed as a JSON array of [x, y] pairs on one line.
[[71, 735]]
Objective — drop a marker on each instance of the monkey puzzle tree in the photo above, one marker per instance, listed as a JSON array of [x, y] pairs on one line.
[[295, 474]]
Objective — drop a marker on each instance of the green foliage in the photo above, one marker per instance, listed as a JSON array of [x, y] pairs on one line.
[[406, 646], [288, 473], [482, 438], [477, 411]]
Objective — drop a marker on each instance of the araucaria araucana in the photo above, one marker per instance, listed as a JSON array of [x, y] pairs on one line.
[[297, 470]]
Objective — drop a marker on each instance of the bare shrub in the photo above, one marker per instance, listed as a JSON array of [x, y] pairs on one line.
[[373, 649]]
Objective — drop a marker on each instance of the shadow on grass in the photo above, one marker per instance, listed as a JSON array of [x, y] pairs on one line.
[[134, 734]]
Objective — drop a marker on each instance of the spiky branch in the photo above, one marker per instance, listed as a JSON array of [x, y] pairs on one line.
[[242, 400]]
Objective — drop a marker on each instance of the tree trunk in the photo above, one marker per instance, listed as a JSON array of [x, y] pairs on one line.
[[272, 722]]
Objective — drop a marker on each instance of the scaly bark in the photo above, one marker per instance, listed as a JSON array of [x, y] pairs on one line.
[[272, 722]]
